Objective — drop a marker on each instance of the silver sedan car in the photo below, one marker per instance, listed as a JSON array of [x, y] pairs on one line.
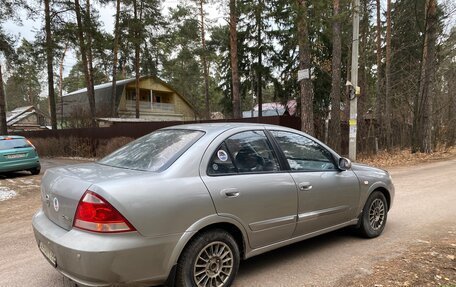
[[183, 205]]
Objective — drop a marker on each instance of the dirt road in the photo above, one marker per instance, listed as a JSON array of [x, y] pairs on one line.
[[424, 209]]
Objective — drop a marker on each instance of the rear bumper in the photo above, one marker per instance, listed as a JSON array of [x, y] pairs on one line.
[[92, 259], [20, 164]]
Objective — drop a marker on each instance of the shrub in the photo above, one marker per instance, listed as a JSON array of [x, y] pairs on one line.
[[77, 147], [107, 146]]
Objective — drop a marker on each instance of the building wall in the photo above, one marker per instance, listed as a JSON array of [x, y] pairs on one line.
[[30, 122], [30, 119], [183, 110], [77, 105]]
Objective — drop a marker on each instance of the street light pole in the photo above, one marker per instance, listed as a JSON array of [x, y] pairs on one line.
[[354, 84]]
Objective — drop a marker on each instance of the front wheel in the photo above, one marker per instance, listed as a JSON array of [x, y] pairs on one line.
[[210, 260], [373, 218]]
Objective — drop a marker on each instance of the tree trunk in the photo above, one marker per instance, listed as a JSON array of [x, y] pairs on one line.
[[61, 82], [234, 61], [306, 87], [114, 61], [205, 66], [334, 123], [137, 57], [451, 136], [363, 99], [388, 115], [90, 59], [83, 50], [3, 126], [378, 92], [259, 90], [422, 122], [50, 67]]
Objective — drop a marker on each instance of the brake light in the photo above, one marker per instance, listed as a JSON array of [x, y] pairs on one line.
[[30, 143], [95, 214]]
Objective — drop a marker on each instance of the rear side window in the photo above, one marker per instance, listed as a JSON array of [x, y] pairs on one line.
[[153, 152], [245, 152], [13, 143], [221, 162]]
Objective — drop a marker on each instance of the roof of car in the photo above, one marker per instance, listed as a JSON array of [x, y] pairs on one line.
[[8, 137], [218, 127]]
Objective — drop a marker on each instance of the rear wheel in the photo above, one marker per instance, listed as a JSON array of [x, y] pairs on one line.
[[373, 218], [35, 171], [209, 260]]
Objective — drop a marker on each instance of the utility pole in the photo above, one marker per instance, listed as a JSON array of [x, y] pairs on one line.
[[354, 90]]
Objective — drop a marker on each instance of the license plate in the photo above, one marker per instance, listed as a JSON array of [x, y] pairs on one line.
[[13, 156], [48, 253]]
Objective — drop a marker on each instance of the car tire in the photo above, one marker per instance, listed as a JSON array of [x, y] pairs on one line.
[[35, 171], [211, 257], [373, 218]]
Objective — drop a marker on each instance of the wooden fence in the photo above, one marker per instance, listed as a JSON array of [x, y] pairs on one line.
[[138, 129], [98, 142]]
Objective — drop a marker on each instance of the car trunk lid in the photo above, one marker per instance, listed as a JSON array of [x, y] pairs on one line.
[[17, 154], [63, 187]]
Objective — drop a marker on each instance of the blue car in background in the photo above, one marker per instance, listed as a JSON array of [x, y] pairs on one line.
[[17, 153]]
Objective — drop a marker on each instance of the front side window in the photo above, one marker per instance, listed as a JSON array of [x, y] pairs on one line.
[[153, 152], [245, 152], [303, 153]]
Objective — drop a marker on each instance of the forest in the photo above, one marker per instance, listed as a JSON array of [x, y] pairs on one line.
[[248, 54]]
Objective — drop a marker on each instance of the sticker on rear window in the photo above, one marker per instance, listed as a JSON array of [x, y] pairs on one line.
[[222, 155]]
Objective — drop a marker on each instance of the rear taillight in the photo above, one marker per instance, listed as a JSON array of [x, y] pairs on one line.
[[95, 214], [30, 143]]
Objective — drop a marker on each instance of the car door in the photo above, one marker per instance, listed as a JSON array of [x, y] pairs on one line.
[[247, 183], [327, 196]]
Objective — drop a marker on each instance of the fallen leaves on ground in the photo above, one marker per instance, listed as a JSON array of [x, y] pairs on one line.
[[428, 262], [385, 159]]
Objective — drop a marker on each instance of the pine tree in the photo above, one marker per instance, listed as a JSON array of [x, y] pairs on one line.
[[182, 69], [8, 53], [23, 86], [387, 119], [306, 87], [84, 46], [50, 64], [255, 25], [422, 124], [334, 124], [138, 22], [234, 60]]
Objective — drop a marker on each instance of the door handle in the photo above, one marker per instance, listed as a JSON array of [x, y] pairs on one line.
[[305, 186], [230, 192]]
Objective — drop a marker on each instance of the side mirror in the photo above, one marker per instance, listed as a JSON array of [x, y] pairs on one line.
[[344, 163]]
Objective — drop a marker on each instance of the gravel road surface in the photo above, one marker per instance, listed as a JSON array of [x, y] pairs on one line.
[[424, 207]]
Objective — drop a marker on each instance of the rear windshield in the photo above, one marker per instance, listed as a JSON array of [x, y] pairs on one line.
[[13, 143], [153, 152]]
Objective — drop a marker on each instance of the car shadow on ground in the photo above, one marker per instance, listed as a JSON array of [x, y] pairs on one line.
[[294, 251], [297, 250], [15, 174]]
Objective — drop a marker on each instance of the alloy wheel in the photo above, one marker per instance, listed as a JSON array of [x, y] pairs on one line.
[[376, 214], [213, 265]]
